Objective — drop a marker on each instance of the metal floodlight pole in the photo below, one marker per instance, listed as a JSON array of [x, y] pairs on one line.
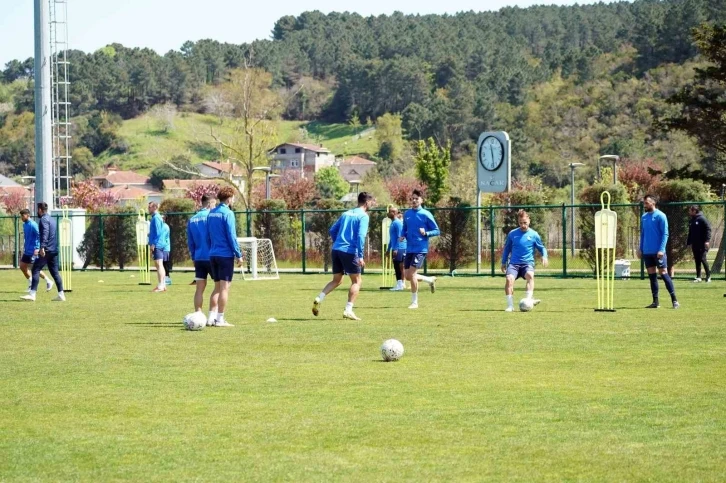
[[573, 166], [268, 188], [266, 170], [43, 109]]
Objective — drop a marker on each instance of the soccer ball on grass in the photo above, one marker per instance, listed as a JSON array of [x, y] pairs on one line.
[[526, 304], [391, 350], [194, 321]]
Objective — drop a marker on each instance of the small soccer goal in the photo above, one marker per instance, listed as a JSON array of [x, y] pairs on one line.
[[258, 259]]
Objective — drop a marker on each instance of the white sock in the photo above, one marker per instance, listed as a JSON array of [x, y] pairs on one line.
[[321, 296], [414, 298], [61, 293], [212, 316], [530, 295], [32, 292], [349, 307], [424, 278], [510, 302], [48, 283], [220, 317]]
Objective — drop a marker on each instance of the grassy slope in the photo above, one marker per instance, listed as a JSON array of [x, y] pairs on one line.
[[191, 137], [108, 387]]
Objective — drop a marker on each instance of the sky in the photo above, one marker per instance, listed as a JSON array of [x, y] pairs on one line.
[[164, 25]]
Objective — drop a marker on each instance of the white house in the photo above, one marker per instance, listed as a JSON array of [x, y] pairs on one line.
[[231, 171], [308, 159], [355, 168]]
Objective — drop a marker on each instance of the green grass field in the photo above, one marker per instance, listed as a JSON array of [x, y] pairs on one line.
[[108, 387]]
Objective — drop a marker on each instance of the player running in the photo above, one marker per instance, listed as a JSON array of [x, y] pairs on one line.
[[418, 226], [349, 238], [521, 244]]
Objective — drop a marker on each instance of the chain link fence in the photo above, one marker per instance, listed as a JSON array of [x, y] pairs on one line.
[[471, 241]]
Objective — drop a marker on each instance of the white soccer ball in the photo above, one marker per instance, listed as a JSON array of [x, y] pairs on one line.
[[526, 304], [195, 321], [391, 350]]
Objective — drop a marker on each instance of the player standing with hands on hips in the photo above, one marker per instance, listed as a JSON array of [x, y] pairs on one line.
[[349, 239], [418, 226], [653, 240], [521, 243]]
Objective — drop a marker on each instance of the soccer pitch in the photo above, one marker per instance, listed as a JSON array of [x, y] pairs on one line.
[[109, 387]]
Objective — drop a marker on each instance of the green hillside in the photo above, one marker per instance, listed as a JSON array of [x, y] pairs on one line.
[[148, 145]]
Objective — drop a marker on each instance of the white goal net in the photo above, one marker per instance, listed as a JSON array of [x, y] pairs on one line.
[[258, 259]]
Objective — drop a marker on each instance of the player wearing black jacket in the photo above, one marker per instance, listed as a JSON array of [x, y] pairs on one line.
[[699, 237]]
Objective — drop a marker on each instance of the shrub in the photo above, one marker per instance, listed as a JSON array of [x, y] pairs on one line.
[[676, 191], [586, 219], [274, 226], [177, 213], [457, 242]]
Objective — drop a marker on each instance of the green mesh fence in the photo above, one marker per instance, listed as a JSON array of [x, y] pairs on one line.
[[301, 242]]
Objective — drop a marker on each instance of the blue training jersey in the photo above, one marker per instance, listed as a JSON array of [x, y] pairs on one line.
[[165, 238], [197, 236], [395, 232], [31, 235], [413, 221], [350, 231], [222, 233], [155, 226], [521, 245], [653, 232]]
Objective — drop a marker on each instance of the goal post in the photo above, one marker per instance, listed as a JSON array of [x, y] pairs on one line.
[[258, 259]]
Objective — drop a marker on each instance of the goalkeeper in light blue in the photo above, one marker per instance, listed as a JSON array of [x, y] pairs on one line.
[[518, 258]]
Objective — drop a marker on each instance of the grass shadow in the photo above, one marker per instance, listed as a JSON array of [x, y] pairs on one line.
[[203, 150]]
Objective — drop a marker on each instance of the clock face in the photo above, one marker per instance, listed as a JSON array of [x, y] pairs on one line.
[[491, 153]]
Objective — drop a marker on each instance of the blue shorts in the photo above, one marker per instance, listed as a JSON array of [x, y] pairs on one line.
[[222, 268], [652, 261], [399, 256], [344, 263], [519, 270], [414, 260], [27, 259], [160, 254], [202, 269]]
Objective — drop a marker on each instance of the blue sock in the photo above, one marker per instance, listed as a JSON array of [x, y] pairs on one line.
[[669, 286], [654, 285]]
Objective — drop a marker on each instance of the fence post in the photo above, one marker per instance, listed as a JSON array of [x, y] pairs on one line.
[[103, 242], [249, 222], [17, 241], [491, 238], [564, 241], [640, 224], [304, 248]]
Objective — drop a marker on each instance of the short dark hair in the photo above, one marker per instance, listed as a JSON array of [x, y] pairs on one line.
[[364, 197], [43, 206], [153, 204], [653, 198], [696, 208], [25, 211], [205, 199], [417, 192]]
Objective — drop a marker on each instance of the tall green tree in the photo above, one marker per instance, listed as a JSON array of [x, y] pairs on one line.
[[703, 112], [330, 183], [432, 168]]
